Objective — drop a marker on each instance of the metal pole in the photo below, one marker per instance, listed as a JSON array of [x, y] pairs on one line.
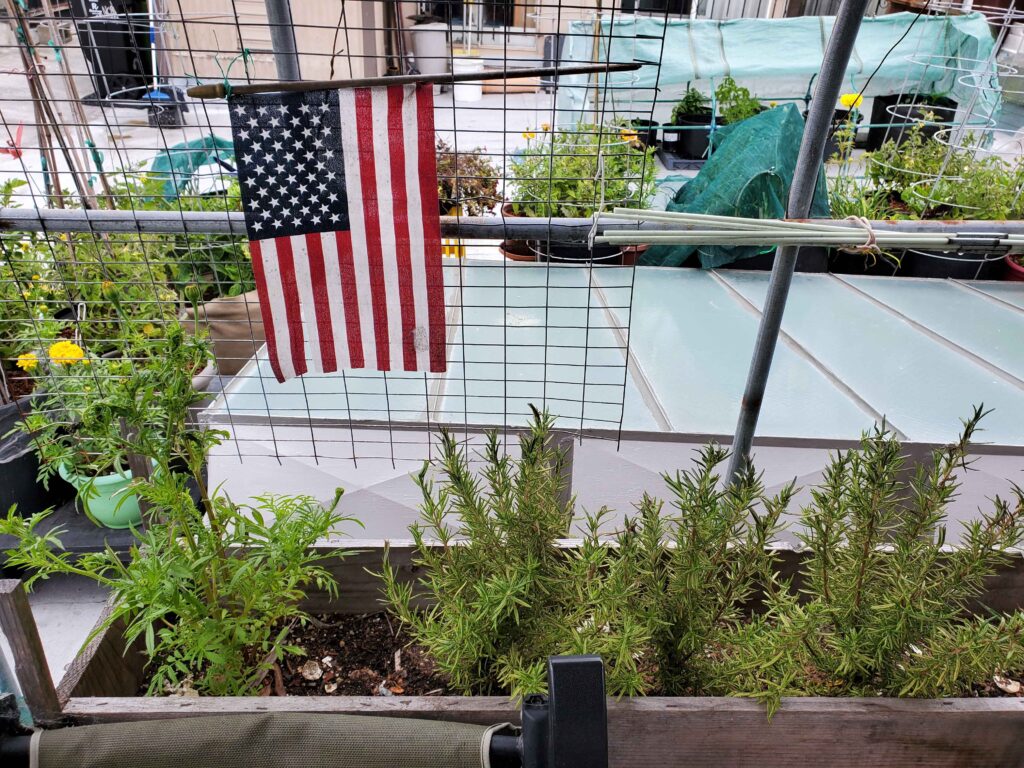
[[805, 177], [282, 39], [563, 230]]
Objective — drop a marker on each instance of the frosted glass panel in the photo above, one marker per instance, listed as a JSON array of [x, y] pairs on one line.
[[923, 387]]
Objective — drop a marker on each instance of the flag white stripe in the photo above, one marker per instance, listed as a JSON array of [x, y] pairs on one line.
[[386, 217], [307, 306], [336, 299], [357, 225], [275, 292], [410, 131]]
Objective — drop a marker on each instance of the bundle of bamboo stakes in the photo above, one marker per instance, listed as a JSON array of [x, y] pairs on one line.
[[710, 229]]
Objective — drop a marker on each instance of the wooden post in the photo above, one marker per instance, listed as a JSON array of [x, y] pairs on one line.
[[139, 466], [19, 627]]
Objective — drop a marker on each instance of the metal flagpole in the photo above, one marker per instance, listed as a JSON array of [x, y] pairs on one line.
[[805, 177]]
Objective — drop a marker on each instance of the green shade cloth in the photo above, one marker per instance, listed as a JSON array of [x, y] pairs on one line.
[[748, 174], [777, 58]]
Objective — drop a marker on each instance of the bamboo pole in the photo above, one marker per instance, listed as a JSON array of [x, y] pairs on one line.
[[219, 90]]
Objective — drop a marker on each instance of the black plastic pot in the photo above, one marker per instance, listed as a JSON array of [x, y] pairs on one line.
[[810, 259], [576, 253], [893, 116], [647, 130], [19, 466], [956, 265], [692, 140]]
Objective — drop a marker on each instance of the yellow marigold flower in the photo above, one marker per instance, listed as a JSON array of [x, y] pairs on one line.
[[149, 329], [27, 362], [545, 126], [851, 100], [627, 135], [529, 135], [65, 353], [26, 294], [35, 277], [106, 286]]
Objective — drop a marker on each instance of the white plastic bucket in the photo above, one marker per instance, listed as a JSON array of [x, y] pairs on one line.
[[468, 91], [430, 47]]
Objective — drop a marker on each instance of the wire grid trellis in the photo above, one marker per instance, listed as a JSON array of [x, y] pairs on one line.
[[95, 95], [95, 105]]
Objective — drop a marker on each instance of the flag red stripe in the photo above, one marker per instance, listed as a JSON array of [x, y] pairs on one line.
[[265, 311], [371, 216], [396, 97], [431, 225], [351, 293], [321, 302], [290, 289]]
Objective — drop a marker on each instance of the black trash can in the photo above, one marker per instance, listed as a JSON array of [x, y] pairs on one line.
[[114, 35]]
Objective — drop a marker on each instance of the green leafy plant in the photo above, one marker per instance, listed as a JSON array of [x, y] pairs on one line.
[[688, 600], [885, 608], [79, 421], [212, 588], [466, 180], [578, 172], [735, 102], [693, 104], [505, 593]]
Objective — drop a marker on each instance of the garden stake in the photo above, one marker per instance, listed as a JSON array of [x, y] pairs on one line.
[[805, 178]]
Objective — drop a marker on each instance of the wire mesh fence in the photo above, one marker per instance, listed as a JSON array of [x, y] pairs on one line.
[[96, 117]]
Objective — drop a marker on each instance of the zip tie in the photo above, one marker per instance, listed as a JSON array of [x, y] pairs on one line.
[[245, 55], [97, 158], [871, 244]]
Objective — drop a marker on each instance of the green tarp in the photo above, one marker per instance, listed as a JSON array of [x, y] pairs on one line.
[[179, 163], [748, 174]]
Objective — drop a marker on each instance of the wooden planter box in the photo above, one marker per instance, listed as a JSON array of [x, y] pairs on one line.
[[100, 687]]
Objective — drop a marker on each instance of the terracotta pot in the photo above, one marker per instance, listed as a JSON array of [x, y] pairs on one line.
[[1014, 270], [515, 250]]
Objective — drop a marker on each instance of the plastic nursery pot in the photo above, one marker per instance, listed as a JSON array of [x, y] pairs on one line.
[[693, 136], [1014, 269], [19, 466], [810, 259], [647, 130], [956, 265], [106, 499], [893, 116]]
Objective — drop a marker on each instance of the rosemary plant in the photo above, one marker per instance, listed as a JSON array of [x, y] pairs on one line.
[[506, 593], [885, 607]]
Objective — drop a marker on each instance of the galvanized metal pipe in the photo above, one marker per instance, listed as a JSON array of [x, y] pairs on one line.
[[477, 227], [801, 193], [282, 39]]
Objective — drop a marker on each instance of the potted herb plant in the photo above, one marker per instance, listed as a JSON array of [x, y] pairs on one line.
[[735, 103], [920, 177], [575, 173], [96, 413], [27, 306], [892, 116], [694, 116]]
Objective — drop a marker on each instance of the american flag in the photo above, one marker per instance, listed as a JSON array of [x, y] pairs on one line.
[[339, 190]]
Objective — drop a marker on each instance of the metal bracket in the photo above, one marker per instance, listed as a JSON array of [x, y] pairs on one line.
[[568, 728]]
